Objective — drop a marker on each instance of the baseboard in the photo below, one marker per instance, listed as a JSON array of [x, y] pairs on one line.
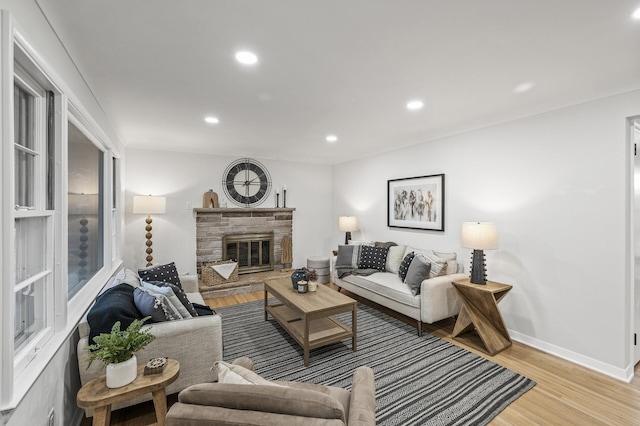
[[623, 374]]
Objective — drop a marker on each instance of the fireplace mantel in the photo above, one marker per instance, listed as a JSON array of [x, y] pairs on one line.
[[213, 224], [244, 210]]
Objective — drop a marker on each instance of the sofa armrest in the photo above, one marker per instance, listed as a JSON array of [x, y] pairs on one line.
[[362, 403], [438, 298], [189, 283], [194, 342]]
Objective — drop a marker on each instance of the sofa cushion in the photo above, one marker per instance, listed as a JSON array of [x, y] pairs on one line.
[[394, 258], [386, 285], [167, 273], [418, 271], [373, 258], [348, 257], [387, 244], [169, 294], [115, 304], [232, 373], [404, 266], [267, 399]]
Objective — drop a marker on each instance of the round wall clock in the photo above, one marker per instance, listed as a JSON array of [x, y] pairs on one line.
[[246, 182]]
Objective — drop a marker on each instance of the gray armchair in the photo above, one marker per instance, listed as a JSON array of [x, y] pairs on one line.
[[292, 404]]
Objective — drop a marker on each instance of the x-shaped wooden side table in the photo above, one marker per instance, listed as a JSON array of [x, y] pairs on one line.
[[479, 312]]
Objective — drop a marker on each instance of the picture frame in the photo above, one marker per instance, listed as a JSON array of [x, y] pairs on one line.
[[416, 203]]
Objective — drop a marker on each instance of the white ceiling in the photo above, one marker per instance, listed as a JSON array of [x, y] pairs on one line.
[[158, 67]]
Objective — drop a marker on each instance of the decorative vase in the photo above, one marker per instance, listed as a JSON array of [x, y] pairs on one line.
[[313, 285], [299, 274], [122, 373]]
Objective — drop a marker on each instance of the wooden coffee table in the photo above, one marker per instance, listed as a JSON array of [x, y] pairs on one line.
[[308, 317], [98, 396]]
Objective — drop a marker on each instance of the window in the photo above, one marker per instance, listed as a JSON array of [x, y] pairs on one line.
[[85, 221], [56, 256], [33, 221]]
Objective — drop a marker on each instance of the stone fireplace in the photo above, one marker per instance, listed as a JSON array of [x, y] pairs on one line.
[[240, 226]]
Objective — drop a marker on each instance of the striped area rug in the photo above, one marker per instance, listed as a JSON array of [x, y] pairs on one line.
[[419, 380]]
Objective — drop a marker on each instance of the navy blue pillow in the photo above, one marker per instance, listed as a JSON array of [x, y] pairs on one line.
[[115, 304], [404, 266]]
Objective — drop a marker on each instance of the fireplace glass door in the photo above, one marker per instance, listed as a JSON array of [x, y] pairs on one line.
[[253, 252]]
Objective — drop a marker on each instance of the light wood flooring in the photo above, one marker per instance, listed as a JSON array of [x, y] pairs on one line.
[[565, 393]]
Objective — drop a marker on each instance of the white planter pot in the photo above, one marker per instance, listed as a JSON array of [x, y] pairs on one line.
[[122, 373]]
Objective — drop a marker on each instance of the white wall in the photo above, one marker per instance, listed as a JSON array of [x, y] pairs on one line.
[[184, 177], [555, 185]]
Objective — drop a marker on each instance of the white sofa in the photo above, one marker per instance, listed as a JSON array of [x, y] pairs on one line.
[[436, 301], [195, 342]]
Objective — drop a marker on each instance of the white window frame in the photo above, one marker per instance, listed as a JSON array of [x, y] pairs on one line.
[[15, 383]]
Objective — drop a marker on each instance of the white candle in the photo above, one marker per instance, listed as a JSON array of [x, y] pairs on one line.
[[284, 187]]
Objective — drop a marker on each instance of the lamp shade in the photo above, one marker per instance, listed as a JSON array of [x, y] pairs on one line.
[[479, 235], [348, 223], [147, 204]]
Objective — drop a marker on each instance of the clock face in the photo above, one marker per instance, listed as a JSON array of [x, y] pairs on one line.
[[246, 182]]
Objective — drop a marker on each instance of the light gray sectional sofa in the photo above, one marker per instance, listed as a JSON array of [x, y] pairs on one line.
[[195, 342], [436, 300]]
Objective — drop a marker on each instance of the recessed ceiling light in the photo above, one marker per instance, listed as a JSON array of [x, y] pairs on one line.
[[636, 14], [523, 87], [415, 105], [211, 120], [246, 57], [332, 138]]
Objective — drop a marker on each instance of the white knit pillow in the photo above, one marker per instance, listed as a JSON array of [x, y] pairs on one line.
[[231, 373]]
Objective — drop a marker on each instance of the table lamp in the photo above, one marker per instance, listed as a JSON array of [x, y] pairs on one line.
[[479, 236], [147, 204], [347, 224]]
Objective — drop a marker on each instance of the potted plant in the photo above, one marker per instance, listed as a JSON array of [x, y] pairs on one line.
[[312, 276], [116, 351]]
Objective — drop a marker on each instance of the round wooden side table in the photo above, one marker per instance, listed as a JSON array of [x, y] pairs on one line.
[[99, 397]]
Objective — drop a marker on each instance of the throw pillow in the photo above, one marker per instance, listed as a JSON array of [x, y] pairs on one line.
[[169, 294], [115, 304], [394, 258], [232, 373], [348, 257], [388, 244], [404, 266], [167, 273], [373, 258], [180, 294], [169, 310], [417, 272], [451, 259], [360, 243], [149, 305], [438, 265]]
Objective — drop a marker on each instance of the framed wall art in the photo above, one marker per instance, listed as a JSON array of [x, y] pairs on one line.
[[416, 203]]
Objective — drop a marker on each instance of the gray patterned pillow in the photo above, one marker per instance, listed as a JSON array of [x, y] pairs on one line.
[[171, 296], [149, 305], [180, 294]]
